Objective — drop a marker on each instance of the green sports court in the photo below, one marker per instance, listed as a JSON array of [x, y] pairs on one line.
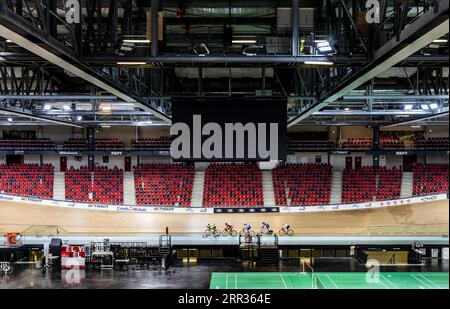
[[330, 280]]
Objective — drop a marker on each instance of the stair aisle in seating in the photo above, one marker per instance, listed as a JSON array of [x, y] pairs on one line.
[[129, 190], [268, 191], [197, 189], [336, 188], [59, 186], [407, 185]]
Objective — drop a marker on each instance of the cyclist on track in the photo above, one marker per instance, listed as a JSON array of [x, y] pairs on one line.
[[212, 227], [247, 227], [228, 227], [286, 227]]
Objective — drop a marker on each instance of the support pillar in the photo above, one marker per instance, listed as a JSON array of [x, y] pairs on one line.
[[90, 143]]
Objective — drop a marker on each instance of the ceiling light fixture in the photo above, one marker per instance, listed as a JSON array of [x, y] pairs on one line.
[[130, 63], [318, 63], [243, 41], [136, 41], [434, 106]]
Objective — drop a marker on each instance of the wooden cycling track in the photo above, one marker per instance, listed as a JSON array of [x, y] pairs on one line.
[[429, 218]]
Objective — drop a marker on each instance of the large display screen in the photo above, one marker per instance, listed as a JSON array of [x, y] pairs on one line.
[[229, 129]]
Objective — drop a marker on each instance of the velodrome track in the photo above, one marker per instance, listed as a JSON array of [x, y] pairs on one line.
[[430, 218]]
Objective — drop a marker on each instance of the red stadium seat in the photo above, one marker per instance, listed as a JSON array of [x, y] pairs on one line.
[[102, 186], [430, 178], [233, 185], [164, 184], [303, 184], [368, 184], [27, 180]]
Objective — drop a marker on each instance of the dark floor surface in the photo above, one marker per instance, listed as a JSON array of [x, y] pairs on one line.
[[182, 275]]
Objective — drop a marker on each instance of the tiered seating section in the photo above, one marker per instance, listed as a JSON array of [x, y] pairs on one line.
[[233, 185], [101, 144], [389, 143], [159, 143], [164, 184], [27, 180], [361, 185], [357, 143], [27, 144], [430, 178], [226, 185], [389, 183], [302, 184], [102, 186], [433, 143], [112, 143], [358, 185], [294, 144], [75, 144]]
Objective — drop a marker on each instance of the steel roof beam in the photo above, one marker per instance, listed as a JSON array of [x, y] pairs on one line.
[[430, 26], [19, 31], [29, 114]]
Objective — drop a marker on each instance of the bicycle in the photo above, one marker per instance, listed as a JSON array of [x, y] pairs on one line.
[[245, 232], [213, 232], [228, 232], [289, 232]]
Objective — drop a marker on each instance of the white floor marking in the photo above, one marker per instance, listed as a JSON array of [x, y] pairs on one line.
[[389, 281], [423, 277], [420, 281], [383, 284], [235, 281], [226, 282], [282, 279], [329, 278]]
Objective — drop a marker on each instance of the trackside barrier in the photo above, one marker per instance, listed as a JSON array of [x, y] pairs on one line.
[[208, 210]]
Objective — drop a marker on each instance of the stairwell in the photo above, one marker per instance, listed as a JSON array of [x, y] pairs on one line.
[[129, 189], [197, 188], [59, 186], [407, 185], [268, 192], [336, 188]]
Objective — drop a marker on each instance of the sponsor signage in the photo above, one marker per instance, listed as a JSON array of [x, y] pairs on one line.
[[198, 210], [69, 153], [341, 152], [229, 129], [401, 153], [247, 210]]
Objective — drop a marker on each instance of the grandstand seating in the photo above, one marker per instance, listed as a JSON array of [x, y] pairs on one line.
[[432, 143], [302, 184], [159, 143], [389, 183], [164, 184], [27, 180], [357, 143], [368, 184], [99, 144], [102, 186], [295, 144], [233, 184], [27, 144], [430, 178], [359, 185], [75, 144], [112, 143], [391, 143]]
